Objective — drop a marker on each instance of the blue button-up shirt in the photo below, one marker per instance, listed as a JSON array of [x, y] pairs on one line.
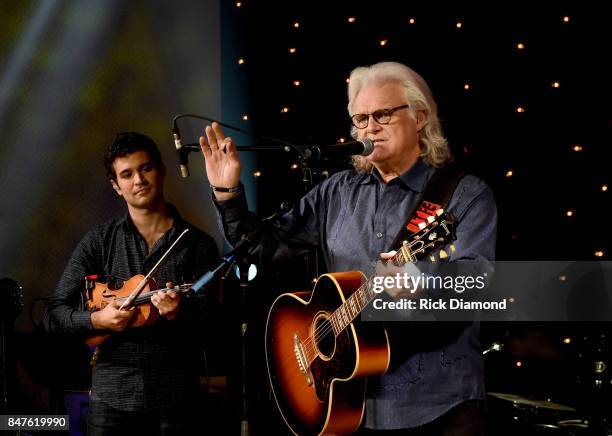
[[353, 217]]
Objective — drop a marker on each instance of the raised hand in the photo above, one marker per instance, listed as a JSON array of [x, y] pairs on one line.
[[222, 160]]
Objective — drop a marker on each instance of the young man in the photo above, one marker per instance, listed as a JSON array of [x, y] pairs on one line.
[[435, 383], [145, 378]]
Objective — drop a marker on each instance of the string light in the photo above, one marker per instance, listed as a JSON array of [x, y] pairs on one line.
[[238, 4], [296, 24], [466, 149], [240, 61], [284, 110], [556, 84], [294, 166], [411, 20], [351, 19], [520, 109], [348, 79], [518, 363], [567, 340], [292, 50], [520, 46], [245, 117], [569, 212], [383, 42], [459, 25], [466, 86], [296, 83], [257, 174], [562, 278], [341, 140], [604, 188], [511, 300], [577, 148], [566, 19], [599, 253], [509, 173]]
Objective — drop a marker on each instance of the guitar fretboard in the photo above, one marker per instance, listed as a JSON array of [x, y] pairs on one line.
[[359, 300]]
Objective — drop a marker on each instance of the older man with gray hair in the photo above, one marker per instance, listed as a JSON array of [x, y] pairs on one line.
[[434, 383]]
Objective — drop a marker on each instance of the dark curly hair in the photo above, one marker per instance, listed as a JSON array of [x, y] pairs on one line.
[[129, 142]]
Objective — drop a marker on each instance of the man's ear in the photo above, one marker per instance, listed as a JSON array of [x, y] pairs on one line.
[[420, 122], [116, 187]]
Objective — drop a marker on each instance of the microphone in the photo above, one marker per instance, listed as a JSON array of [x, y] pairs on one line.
[[361, 147], [182, 152]]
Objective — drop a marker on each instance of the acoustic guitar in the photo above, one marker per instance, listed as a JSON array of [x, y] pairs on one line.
[[319, 355]]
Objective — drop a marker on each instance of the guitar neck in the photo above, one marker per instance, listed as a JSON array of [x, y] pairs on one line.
[[359, 300]]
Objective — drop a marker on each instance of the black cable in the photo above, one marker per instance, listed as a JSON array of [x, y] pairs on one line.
[[238, 129]]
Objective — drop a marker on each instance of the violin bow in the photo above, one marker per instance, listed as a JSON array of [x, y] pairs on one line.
[[138, 289]]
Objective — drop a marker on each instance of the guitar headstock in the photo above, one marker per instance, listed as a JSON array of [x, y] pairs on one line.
[[433, 234]]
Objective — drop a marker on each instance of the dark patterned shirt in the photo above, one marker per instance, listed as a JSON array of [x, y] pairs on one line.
[[139, 368], [353, 217]]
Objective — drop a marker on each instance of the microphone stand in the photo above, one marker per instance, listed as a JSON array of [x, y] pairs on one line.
[[240, 254]]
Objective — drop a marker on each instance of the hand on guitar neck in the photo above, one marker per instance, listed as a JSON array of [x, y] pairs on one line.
[[385, 269]]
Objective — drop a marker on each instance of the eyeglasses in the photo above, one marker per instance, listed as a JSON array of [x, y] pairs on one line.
[[382, 116]]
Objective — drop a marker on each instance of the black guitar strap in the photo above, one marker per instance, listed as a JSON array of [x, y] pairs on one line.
[[436, 195]]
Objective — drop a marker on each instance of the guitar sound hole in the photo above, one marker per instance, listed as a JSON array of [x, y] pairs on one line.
[[325, 339]]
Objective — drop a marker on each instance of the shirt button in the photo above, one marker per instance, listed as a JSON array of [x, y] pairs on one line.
[[379, 235]]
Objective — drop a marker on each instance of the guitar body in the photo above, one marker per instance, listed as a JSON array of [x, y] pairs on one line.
[[329, 397]]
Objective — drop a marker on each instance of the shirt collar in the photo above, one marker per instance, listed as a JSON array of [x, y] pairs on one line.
[[414, 179], [177, 224]]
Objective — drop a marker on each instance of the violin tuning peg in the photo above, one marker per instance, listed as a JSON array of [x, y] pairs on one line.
[[404, 242]]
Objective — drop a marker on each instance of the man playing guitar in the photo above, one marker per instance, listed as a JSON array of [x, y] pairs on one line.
[[434, 384]]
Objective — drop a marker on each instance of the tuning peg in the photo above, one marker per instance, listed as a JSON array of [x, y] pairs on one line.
[[404, 242], [439, 212], [430, 219], [452, 248], [422, 225], [443, 254]]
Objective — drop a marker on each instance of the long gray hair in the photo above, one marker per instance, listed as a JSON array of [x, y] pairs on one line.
[[434, 146]]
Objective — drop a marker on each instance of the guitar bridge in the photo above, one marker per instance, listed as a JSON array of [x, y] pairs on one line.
[[302, 361]]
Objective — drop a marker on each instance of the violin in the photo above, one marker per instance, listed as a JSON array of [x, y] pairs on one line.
[[99, 294]]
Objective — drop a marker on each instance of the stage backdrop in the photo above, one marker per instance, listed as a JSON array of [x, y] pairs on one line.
[[72, 75]]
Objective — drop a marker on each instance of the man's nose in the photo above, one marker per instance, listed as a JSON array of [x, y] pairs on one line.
[[140, 179], [373, 125]]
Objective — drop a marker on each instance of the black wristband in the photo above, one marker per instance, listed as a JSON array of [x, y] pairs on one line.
[[221, 189]]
